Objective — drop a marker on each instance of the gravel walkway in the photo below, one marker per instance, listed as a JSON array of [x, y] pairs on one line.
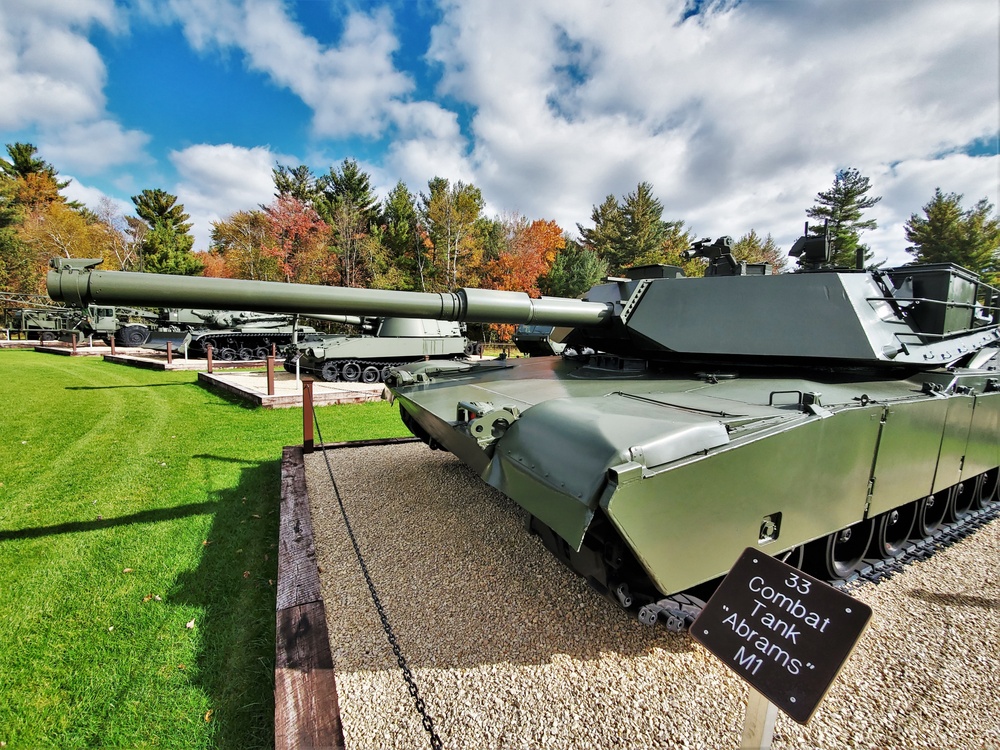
[[511, 650]]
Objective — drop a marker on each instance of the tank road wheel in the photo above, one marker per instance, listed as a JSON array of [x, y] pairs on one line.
[[931, 513], [892, 531], [961, 500], [227, 354], [351, 372], [133, 335], [370, 374], [985, 493], [245, 353], [384, 374], [330, 372], [840, 554], [262, 352]]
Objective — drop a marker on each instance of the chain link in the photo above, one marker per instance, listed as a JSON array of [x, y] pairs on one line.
[[411, 684]]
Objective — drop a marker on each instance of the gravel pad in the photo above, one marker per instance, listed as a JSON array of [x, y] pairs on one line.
[[509, 649]]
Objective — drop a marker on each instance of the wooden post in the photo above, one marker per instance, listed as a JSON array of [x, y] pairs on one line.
[[208, 352], [307, 415], [72, 340], [170, 353], [112, 345], [274, 349], [270, 375], [758, 723]]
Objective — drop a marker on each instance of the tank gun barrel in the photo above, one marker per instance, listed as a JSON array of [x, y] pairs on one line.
[[74, 281]]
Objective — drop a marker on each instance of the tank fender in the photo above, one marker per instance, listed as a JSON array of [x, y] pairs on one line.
[[554, 459]]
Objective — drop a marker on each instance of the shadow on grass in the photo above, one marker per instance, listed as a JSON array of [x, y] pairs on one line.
[[146, 516], [229, 397], [116, 387], [235, 586]]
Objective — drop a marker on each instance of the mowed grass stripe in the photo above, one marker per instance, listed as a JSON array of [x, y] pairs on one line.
[[132, 503]]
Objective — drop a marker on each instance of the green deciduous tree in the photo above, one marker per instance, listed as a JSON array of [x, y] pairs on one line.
[[244, 244], [842, 208], [449, 213], [948, 233], [753, 249]]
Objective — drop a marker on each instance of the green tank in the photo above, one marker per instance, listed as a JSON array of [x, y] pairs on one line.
[[825, 416], [385, 343], [233, 335], [539, 341]]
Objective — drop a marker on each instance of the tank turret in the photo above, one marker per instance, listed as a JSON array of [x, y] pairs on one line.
[[825, 416]]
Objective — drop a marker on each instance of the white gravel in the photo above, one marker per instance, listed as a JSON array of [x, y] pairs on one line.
[[511, 650]]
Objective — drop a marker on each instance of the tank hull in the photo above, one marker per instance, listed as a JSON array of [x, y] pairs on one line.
[[688, 470]]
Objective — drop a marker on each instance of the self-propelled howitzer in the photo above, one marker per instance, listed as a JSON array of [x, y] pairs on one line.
[[825, 416]]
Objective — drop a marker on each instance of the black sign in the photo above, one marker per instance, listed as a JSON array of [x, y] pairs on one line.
[[784, 632]]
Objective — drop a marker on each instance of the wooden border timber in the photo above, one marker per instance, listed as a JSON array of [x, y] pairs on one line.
[[306, 714]]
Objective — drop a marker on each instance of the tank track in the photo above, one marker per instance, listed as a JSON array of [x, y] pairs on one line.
[[328, 366], [680, 610], [257, 343], [876, 571]]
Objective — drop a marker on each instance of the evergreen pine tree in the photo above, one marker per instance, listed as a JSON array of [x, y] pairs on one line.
[[841, 208]]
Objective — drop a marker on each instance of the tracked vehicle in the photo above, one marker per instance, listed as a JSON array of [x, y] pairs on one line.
[[387, 343], [824, 416], [233, 335]]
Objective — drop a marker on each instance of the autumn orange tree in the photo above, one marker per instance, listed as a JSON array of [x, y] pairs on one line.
[[37, 222], [525, 254], [243, 248], [298, 242]]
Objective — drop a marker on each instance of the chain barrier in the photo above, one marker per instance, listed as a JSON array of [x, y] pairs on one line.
[[411, 684]]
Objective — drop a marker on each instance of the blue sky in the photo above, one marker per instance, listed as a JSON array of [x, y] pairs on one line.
[[737, 113]]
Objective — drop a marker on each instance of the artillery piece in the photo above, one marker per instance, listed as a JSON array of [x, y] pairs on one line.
[[233, 335], [823, 416], [384, 344]]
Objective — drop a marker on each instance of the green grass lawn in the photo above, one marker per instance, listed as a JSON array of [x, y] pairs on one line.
[[138, 538]]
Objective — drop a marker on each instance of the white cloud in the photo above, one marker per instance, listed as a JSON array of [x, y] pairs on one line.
[[93, 146], [49, 72], [349, 86], [52, 82], [218, 180], [91, 196], [738, 117]]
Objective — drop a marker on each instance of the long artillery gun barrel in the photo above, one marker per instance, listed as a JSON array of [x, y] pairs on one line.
[[74, 281]]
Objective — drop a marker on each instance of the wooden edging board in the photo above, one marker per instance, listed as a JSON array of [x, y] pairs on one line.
[[306, 714]]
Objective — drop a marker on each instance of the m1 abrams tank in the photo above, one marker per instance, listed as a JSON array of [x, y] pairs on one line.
[[824, 416], [390, 342]]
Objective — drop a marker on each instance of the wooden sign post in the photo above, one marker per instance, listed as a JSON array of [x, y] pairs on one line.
[[783, 631]]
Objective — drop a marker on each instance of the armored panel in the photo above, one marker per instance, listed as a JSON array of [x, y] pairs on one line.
[[954, 440], [815, 474], [983, 450], [803, 316], [907, 453]]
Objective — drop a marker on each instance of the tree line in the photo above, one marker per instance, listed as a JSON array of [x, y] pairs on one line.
[[332, 229]]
